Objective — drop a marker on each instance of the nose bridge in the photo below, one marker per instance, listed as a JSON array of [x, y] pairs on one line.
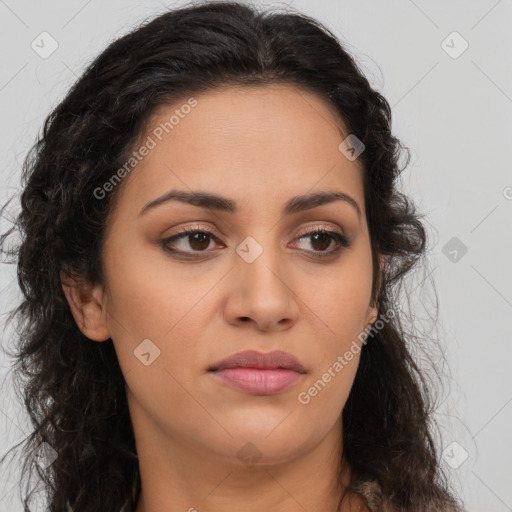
[[262, 292], [259, 263]]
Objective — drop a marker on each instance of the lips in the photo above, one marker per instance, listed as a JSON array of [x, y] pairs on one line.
[[259, 373], [276, 359]]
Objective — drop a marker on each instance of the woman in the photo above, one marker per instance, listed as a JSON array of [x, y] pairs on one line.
[[212, 234]]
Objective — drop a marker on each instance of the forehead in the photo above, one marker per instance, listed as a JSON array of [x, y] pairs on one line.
[[258, 144]]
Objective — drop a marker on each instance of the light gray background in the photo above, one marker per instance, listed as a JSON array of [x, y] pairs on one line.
[[454, 113]]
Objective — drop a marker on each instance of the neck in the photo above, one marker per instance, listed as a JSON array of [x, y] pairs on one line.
[[197, 479]]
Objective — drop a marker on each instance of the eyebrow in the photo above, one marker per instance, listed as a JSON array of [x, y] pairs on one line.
[[215, 202]]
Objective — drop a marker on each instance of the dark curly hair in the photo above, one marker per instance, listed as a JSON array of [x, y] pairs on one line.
[[73, 389]]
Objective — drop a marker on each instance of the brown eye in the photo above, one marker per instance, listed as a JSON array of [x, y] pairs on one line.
[[197, 240], [321, 240]]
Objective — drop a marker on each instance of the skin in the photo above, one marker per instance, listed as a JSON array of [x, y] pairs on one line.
[[259, 146]]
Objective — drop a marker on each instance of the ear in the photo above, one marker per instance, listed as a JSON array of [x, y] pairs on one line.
[[86, 302], [372, 314]]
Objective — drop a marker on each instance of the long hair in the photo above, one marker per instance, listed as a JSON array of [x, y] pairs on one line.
[[73, 389]]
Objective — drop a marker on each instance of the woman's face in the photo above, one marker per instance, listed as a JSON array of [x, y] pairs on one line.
[[254, 282]]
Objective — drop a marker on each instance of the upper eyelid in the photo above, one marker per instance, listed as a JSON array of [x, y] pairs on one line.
[[304, 232], [186, 231], [319, 227]]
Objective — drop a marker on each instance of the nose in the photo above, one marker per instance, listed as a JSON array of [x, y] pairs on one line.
[[262, 294]]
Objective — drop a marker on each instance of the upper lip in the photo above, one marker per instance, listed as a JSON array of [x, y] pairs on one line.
[[262, 360]]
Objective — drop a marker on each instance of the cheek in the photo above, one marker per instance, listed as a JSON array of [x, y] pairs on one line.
[[342, 306], [149, 293], [152, 298], [341, 302], [342, 298], [321, 399], [154, 314]]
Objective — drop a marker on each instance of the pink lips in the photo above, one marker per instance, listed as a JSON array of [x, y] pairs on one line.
[[259, 373]]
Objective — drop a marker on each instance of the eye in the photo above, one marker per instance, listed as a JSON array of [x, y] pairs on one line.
[[321, 239], [198, 240]]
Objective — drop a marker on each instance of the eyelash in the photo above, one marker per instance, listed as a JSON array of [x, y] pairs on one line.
[[340, 239]]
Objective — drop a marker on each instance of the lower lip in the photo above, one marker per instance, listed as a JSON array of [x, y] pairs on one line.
[[258, 381]]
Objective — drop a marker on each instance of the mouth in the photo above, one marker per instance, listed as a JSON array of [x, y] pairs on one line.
[[259, 373]]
